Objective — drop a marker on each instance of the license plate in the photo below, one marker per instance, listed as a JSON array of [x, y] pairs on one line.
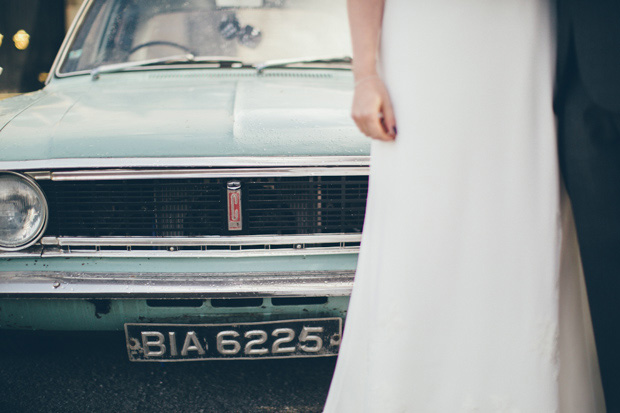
[[318, 337]]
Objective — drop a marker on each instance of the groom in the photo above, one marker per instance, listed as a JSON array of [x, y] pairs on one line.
[[587, 103]]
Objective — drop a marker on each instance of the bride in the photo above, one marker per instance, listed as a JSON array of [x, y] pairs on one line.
[[469, 294]]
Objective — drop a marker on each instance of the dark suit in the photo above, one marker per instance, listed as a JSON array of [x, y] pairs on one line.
[[587, 103]]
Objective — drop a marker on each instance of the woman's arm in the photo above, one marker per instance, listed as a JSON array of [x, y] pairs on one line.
[[372, 109]]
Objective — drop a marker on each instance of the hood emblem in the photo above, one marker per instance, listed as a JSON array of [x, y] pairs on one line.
[[234, 205]]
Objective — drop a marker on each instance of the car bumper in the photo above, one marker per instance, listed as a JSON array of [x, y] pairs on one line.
[[22, 284], [98, 301]]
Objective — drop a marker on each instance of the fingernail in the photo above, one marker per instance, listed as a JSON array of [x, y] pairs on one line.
[[394, 130]]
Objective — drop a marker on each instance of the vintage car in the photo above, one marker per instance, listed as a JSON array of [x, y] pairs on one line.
[[190, 174]]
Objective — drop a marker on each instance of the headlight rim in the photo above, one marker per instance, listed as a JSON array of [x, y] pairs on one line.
[[33, 183]]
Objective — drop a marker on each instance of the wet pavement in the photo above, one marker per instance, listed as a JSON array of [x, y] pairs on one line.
[[90, 372]]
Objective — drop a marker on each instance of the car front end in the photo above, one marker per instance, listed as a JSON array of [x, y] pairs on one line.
[[211, 207]]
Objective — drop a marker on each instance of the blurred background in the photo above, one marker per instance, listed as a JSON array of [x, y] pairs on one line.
[[31, 32]]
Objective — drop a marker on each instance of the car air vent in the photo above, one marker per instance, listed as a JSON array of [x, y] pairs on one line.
[[238, 75], [236, 302], [298, 74], [202, 75], [280, 301], [180, 303]]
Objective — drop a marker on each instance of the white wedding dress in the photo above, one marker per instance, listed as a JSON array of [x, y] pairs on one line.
[[469, 295]]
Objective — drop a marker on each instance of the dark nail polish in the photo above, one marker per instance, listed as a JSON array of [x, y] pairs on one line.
[[394, 130]]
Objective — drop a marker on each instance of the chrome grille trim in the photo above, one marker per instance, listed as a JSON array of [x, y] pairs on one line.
[[201, 247], [110, 175], [205, 246], [102, 253], [99, 252], [263, 240], [186, 162]]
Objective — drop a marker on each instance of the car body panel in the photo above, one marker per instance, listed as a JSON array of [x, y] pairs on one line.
[[185, 113], [335, 262], [108, 315]]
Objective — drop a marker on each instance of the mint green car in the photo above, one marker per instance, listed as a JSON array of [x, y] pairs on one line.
[[190, 174]]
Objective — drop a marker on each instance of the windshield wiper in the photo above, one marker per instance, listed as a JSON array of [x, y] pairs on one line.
[[186, 58], [285, 62]]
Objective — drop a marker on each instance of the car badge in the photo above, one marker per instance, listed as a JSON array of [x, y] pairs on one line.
[[234, 205]]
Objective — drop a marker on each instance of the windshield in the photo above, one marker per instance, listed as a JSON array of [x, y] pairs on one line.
[[252, 31]]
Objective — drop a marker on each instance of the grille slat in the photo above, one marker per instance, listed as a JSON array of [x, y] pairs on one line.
[[189, 207]]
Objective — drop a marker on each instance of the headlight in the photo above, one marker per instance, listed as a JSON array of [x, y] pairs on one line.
[[23, 211]]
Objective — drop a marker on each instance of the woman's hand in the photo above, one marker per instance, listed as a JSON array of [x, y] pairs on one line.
[[372, 109]]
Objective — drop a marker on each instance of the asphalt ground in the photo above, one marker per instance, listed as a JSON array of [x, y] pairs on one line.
[[90, 372]]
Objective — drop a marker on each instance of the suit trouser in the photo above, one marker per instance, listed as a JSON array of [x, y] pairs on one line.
[[589, 149]]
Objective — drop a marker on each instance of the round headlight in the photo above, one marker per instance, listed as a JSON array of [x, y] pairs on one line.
[[23, 211]]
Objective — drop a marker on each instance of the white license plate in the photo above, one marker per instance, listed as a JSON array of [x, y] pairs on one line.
[[318, 337]]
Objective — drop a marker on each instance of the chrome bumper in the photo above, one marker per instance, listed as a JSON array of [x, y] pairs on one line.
[[169, 285]]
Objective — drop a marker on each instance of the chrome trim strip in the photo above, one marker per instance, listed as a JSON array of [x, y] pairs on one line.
[[100, 175], [284, 252], [68, 40], [33, 252], [154, 285], [199, 162], [52, 252], [203, 241]]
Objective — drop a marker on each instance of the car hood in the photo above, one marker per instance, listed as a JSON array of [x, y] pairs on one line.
[[183, 114]]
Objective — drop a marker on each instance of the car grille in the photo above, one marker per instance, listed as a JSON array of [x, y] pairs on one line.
[[192, 207]]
